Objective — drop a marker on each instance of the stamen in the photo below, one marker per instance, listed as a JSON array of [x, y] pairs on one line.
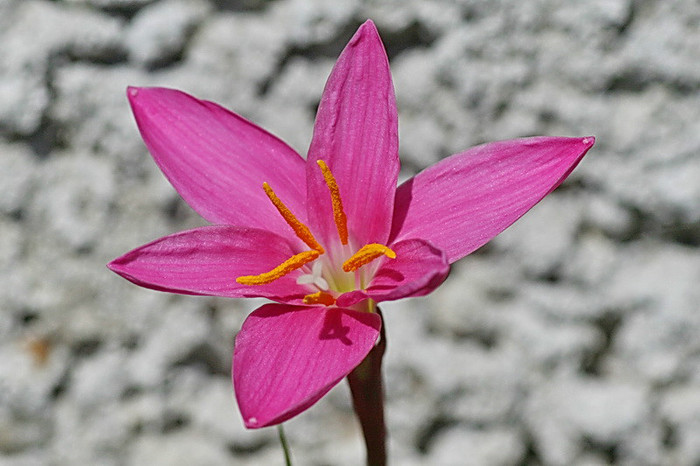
[[301, 230], [367, 254], [319, 298], [341, 221], [281, 270]]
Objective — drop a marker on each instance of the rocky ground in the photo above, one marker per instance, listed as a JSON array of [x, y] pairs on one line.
[[571, 339]]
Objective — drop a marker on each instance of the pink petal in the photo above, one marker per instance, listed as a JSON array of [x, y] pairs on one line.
[[287, 357], [207, 261], [356, 133], [462, 202], [418, 269], [217, 160]]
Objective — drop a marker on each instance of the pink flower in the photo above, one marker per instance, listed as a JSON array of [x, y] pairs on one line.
[[328, 237]]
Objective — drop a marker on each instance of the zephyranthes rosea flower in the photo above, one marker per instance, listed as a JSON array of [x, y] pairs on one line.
[[328, 237]]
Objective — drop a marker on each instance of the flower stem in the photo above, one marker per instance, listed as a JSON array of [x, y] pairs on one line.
[[368, 400], [285, 445]]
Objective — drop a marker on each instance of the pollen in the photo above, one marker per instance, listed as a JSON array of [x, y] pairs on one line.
[[281, 270], [367, 254], [301, 230], [319, 298], [341, 221]]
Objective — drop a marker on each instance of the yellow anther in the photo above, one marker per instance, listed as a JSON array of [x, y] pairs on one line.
[[281, 270], [319, 298], [367, 254], [341, 221], [301, 230]]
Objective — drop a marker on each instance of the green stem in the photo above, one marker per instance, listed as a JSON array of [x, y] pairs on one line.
[[285, 445], [368, 400]]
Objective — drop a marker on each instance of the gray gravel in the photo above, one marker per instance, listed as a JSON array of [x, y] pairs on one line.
[[571, 339]]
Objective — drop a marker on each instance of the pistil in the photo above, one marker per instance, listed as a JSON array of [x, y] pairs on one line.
[[335, 281]]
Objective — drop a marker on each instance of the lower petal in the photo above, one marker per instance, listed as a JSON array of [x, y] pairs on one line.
[[287, 357], [207, 261], [418, 269]]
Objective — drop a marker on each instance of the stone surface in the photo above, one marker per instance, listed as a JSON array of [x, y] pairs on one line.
[[474, 447], [571, 415], [572, 339], [26, 66], [158, 34]]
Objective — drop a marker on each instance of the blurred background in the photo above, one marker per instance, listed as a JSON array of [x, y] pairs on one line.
[[571, 339]]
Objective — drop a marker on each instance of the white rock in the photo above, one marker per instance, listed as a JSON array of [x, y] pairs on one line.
[[177, 449], [562, 412], [24, 101], [31, 369], [600, 12], [414, 74], [241, 52], [94, 436], [99, 379], [461, 446], [593, 262], [421, 140], [563, 302], [91, 108], [158, 33], [17, 177], [681, 405], [214, 412], [550, 343], [292, 97], [313, 21], [113, 3], [33, 458], [544, 237], [55, 30], [74, 198], [609, 216], [654, 341], [470, 302], [680, 408], [180, 330], [11, 248]]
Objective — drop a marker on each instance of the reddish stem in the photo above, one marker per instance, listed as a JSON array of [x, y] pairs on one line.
[[368, 400]]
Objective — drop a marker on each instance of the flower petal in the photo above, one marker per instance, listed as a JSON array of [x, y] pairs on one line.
[[418, 269], [287, 357], [462, 202], [217, 160], [207, 261], [356, 134]]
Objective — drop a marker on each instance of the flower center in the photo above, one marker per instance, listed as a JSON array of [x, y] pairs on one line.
[[335, 280]]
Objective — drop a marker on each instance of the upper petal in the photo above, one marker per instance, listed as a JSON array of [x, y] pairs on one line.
[[356, 134], [462, 202], [218, 160], [207, 261], [287, 357], [418, 269]]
